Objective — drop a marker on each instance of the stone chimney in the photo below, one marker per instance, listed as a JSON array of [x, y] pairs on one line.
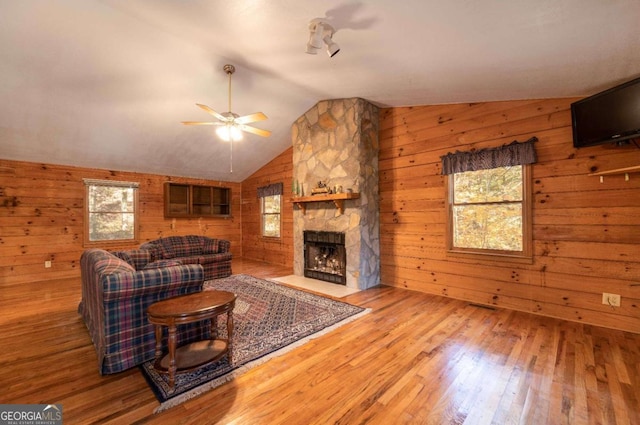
[[336, 142]]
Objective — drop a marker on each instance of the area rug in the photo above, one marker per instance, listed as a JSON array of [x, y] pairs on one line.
[[269, 320]]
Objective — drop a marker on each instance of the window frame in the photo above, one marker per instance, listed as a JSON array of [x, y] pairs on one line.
[[263, 214], [524, 256], [87, 214]]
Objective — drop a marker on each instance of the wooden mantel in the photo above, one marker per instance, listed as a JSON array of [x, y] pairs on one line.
[[337, 198]]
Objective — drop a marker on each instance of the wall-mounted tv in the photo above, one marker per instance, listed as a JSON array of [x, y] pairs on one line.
[[610, 116]]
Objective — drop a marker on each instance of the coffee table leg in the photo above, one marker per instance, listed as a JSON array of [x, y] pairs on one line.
[[172, 355], [214, 328], [229, 334], [158, 342]]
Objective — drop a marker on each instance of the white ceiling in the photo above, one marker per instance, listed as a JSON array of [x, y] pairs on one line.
[[105, 83]]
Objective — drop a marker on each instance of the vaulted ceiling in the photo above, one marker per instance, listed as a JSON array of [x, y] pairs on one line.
[[106, 83]]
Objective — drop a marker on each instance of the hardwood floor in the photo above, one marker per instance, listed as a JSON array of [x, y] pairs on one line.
[[415, 359]]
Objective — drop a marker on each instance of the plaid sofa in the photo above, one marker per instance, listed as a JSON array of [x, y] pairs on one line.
[[117, 289], [212, 254]]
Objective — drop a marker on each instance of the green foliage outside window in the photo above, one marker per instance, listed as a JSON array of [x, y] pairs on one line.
[[111, 213], [487, 209]]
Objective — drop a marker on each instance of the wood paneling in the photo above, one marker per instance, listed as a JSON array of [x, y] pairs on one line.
[[42, 217], [586, 233], [415, 358], [254, 246]]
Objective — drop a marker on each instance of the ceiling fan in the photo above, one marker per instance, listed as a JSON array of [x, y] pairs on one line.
[[231, 125]]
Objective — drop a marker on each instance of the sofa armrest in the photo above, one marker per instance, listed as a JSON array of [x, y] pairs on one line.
[[149, 281], [224, 246]]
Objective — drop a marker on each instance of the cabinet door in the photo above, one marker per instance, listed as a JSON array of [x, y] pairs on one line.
[[202, 200], [176, 200], [221, 200]]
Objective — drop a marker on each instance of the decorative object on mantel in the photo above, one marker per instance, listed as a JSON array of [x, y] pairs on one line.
[[321, 189], [297, 189], [263, 329], [337, 198]]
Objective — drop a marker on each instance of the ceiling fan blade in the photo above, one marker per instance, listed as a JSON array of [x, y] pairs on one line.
[[212, 112], [258, 131], [198, 123], [246, 119]]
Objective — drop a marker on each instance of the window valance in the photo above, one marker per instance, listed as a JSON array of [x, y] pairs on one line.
[[515, 153], [270, 190], [112, 183]]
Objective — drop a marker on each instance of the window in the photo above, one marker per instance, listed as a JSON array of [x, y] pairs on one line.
[[270, 209], [271, 216], [488, 211], [489, 202], [111, 211]]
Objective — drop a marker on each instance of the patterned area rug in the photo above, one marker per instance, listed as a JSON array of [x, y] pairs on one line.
[[269, 320]]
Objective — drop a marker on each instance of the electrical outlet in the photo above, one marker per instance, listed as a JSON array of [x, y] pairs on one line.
[[47, 264], [611, 299]]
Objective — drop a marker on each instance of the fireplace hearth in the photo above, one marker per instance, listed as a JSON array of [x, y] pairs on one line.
[[325, 257]]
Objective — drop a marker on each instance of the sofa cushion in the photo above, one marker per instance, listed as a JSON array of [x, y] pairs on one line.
[[162, 263], [180, 246], [137, 258], [123, 255]]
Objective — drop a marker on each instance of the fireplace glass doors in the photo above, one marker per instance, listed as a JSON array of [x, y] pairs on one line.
[[325, 257]]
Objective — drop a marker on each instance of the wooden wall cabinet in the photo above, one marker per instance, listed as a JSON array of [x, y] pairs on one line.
[[187, 200]]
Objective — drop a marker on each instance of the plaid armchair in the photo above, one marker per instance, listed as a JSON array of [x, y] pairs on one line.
[[214, 255], [117, 289]]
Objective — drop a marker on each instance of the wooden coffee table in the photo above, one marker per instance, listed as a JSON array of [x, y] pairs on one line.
[[206, 305]]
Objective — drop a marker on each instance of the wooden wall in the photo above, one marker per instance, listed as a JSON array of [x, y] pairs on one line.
[[586, 233], [42, 217], [270, 250]]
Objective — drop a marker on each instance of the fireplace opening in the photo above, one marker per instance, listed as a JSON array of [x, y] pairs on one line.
[[325, 256]]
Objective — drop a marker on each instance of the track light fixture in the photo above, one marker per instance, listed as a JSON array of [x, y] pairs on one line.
[[321, 32]]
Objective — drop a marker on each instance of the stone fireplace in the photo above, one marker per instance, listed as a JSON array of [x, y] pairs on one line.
[[336, 143], [325, 256]]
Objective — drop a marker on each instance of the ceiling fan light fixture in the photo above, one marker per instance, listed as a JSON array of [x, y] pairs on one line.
[[231, 125], [229, 133]]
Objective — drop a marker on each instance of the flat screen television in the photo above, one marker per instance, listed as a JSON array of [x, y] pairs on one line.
[[610, 116]]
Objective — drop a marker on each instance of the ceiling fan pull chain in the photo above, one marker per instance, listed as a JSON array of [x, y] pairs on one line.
[[230, 156]]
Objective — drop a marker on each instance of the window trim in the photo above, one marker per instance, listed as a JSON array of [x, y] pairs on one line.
[[136, 225], [524, 256], [262, 215]]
